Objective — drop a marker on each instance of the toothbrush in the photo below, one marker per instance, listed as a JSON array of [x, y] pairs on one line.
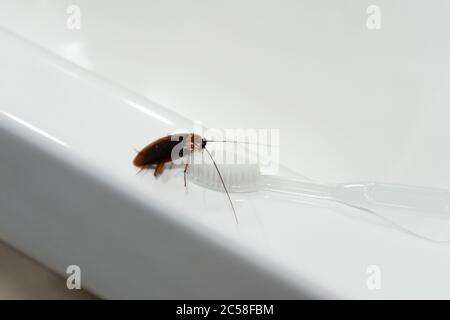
[[391, 201]]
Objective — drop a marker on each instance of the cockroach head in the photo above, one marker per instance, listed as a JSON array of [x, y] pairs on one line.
[[197, 142]]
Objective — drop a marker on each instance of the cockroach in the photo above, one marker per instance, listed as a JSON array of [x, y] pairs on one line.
[[161, 151]]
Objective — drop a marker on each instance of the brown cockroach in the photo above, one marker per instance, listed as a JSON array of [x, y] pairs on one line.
[[163, 151]]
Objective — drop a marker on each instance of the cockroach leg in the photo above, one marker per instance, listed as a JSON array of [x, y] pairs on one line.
[[159, 169], [185, 170]]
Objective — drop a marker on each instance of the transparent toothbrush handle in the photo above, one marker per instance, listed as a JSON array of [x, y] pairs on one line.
[[297, 187], [424, 212], [368, 195], [374, 195]]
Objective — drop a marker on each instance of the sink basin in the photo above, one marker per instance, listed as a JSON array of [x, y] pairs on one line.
[[351, 104]]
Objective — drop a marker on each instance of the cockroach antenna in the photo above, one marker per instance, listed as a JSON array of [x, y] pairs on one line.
[[243, 142], [223, 183]]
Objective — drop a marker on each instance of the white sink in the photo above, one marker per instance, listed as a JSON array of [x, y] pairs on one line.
[[351, 104]]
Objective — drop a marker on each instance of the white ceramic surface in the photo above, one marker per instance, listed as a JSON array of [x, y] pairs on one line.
[[351, 104]]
